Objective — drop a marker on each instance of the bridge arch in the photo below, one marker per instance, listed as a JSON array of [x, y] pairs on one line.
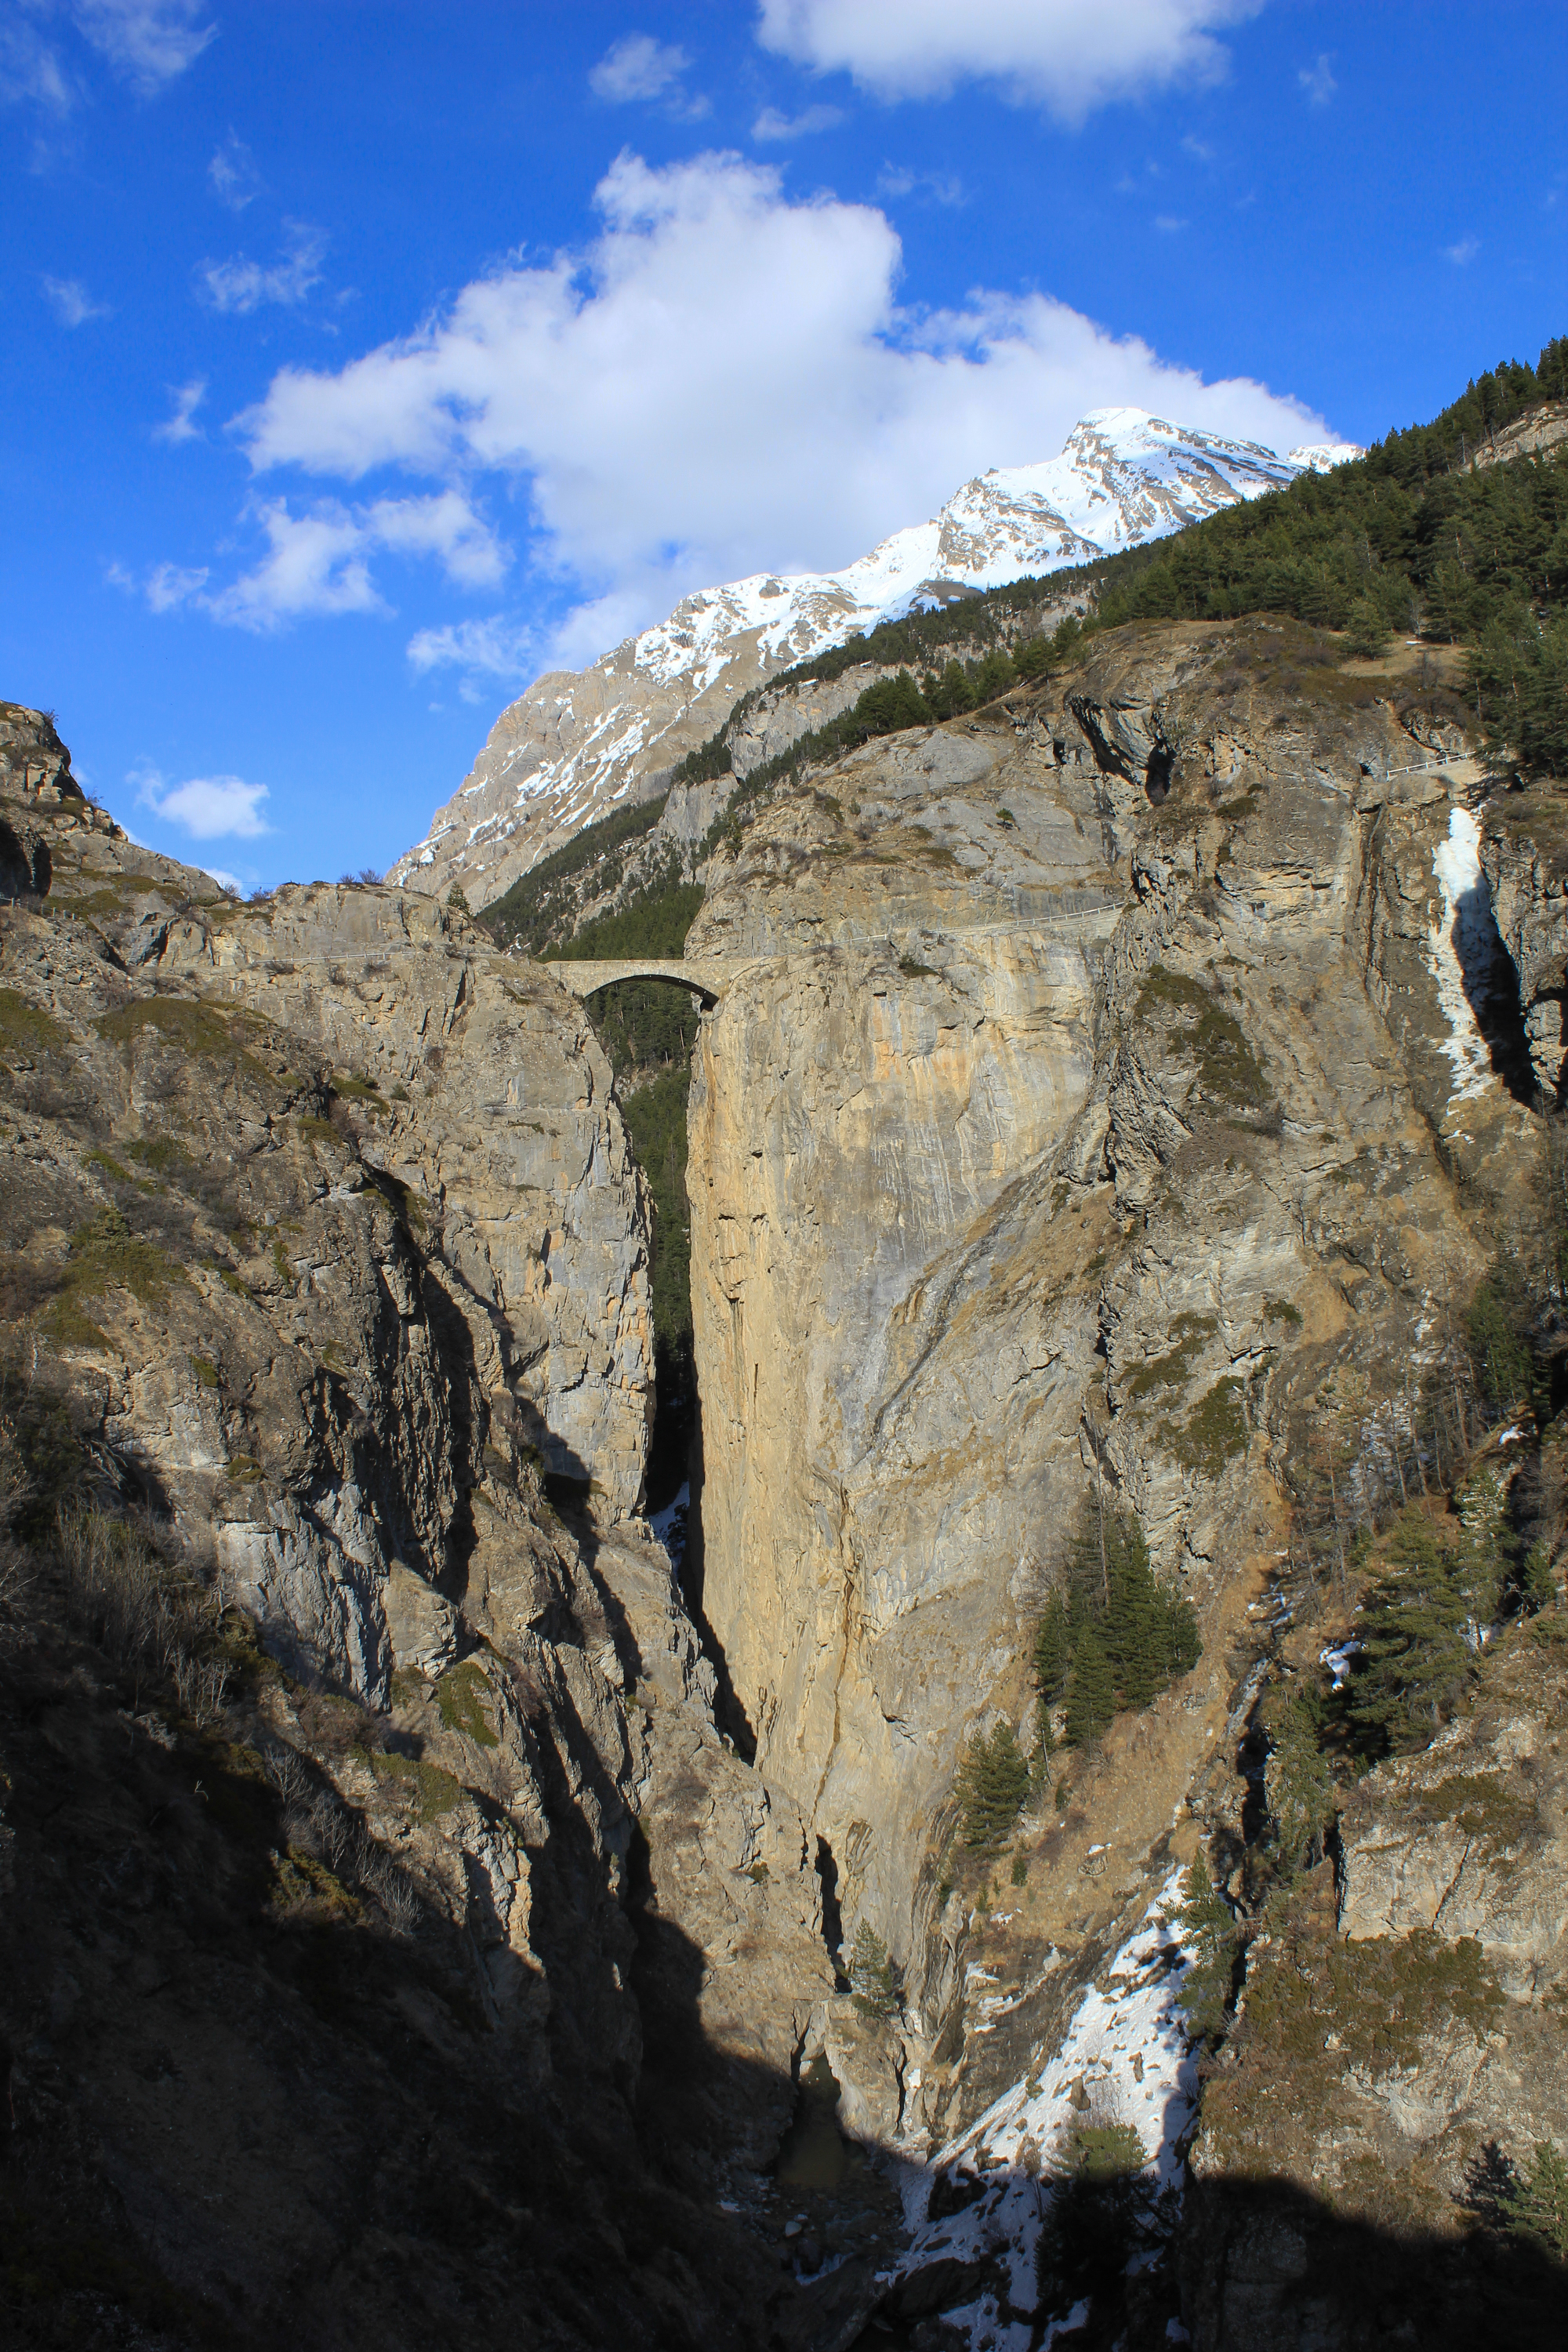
[[704, 976]]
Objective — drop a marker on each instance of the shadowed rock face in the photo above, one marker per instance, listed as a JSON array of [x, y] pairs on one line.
[[1115, 1012], [324, 1260]]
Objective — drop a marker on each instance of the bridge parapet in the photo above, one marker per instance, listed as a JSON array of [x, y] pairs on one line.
[[703, 975]]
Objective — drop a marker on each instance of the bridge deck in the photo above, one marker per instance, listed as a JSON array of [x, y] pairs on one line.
[[706, 978]]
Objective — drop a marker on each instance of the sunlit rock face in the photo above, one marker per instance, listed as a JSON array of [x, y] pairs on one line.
[[1097, 1086]]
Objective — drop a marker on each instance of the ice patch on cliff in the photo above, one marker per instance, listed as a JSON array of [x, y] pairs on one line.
[[1463, 951]]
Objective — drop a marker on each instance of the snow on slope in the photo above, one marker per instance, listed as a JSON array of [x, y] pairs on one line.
[[576, 744], [1128, 2055]]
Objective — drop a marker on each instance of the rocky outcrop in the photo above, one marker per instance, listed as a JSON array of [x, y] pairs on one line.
[[1469, 1839], [1526, 858], [1379, 2080]]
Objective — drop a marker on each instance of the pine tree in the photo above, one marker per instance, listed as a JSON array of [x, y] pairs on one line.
[[1367, 629], [993, 1782], [1184, 1643], [1034, 660], [1209, 1936], [995, 675], [1092, 1690], [1414, 1658], [1134, 1624], [455, 897], [1044, 1741], [1537, 1580], [1053, 1651], [1535, 2203], [873, 1979], [1296, 1780]]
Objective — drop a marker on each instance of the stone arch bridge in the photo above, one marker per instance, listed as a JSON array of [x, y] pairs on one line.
[[706, 976]]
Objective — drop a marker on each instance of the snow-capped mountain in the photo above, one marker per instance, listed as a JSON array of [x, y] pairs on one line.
[[579, 742]]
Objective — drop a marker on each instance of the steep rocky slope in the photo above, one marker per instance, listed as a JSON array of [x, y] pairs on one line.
[[577, 745], [388, 1931]]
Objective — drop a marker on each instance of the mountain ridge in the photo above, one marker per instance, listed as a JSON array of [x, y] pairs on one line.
[[576, 744]]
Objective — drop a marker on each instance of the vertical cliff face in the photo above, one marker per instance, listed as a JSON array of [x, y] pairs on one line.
[[1100, 1092]]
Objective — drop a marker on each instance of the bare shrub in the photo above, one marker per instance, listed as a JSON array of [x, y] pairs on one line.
[[146, 1613], [393, 1889]]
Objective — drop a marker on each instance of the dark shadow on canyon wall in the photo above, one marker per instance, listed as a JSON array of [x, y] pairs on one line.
[[1248, 2266]]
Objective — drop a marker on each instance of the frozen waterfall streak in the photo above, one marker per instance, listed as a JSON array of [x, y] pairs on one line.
[[1464, 942]]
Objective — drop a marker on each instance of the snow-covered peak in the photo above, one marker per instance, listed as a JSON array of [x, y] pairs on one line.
[[573, 745]]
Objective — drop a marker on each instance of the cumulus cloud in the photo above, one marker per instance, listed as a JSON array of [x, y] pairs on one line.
[[771, 125], [209, 808], [318, 562], [182, 426], [724, 384], [242, 285], [235, 180], [73, 306], [146, 42], [1466, 250], [1068, 56], [638, 70]]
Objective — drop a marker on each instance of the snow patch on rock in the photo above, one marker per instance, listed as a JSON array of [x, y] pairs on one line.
[[1127, 2054]]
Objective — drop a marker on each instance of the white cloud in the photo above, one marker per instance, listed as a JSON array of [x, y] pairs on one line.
[[1069, 56], [319, 563], [209, 808], [168, 585], [1317, 81], [724, 384], [637, 69], [1466, 250], [771, 124], [1168, 223], [73, 305], [146, 42], [1198, 149], [30, 69], [236, 181], [498, 647], [182, 426], [242, 285], [942, 188]]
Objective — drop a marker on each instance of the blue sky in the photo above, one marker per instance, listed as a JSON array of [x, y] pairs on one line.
[[368, 358]]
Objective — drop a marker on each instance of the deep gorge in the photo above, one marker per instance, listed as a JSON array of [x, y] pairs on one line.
[[1102, 1106]]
